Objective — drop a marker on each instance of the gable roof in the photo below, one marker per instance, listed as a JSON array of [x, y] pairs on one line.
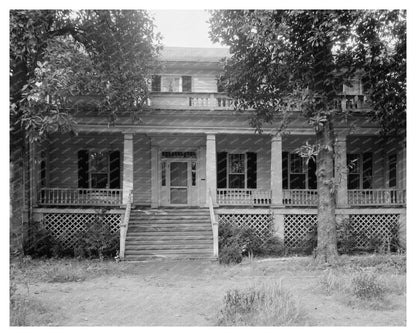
[[185, 54]]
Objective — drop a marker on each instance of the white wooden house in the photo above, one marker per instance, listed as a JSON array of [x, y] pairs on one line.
[[158, 176]]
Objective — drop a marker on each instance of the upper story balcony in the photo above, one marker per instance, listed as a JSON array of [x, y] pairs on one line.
[[190, 101]]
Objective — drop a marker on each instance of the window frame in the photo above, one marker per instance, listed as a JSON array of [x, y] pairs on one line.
[[244, 155], [360, 172]]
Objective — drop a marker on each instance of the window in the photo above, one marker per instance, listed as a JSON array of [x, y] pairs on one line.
[[393, 171], [99, 169], [193, 173], [360, 171], [186, 84], [237, 171], [297, 172], [156, 83], [236, 168]]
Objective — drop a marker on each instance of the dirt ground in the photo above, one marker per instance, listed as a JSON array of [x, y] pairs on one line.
[[189, 293]]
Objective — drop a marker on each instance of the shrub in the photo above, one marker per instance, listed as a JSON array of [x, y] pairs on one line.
[[366, 286], [273, 246], [263, 305], [96, 241], [42, 243], [235, 242]]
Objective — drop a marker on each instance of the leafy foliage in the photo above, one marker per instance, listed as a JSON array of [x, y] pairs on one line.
[[97, 241], [282, 58], [235, 242], [57, 55]]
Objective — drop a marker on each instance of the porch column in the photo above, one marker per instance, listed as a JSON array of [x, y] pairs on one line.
[[154, 177], [276, 173], [127, 166], [341, 170], [211, 168]]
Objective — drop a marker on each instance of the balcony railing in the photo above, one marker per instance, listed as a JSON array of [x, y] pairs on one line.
[[253, 197], [377, 197], [77, 196], [190, 101], [300, 197]]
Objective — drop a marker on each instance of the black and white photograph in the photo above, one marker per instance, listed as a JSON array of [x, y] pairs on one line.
[[207, 167]]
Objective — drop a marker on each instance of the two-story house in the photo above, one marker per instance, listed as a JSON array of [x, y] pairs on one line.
[[192, 161]]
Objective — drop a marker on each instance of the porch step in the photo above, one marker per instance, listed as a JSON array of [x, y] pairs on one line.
[[176, 233]]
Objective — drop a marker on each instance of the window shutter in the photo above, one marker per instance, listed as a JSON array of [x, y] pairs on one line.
[[312, 174], [222, 170], [186, 84], [367, 170], [115, 170], [252, 170], [285, 172], [156, 83], [83, 157]]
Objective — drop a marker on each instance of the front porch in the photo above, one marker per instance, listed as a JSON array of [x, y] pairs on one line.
[[239, 170]]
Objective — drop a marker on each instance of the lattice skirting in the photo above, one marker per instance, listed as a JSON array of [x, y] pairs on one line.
[[366, 227], [65, 226], [262, 224], [296, 229]]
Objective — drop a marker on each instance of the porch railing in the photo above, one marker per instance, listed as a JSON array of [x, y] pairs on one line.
[[377, 197], [254, 197], [79, 196], [300, 197]]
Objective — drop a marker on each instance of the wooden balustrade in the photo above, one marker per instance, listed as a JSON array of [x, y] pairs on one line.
[[253, 197], [300, 197], [377, 197], [79, 196]]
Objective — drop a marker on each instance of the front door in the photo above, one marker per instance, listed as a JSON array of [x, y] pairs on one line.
[[178, 182], [178, 176]]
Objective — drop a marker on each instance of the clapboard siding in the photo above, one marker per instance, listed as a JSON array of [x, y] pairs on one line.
[[141, 169], [63, 155]]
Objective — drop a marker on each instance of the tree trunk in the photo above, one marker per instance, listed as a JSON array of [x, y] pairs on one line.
[[327, 240]]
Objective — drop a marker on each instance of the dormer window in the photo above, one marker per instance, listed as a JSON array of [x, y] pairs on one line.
[[353, 88]]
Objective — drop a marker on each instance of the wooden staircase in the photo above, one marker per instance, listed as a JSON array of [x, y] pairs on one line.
[[176, 233]]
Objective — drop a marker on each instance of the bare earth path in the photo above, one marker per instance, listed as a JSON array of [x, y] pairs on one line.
[[190, 293]]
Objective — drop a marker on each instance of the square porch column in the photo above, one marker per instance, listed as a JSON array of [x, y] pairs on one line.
[[211, 168], [276, 173], [341, 170], [127, 166]]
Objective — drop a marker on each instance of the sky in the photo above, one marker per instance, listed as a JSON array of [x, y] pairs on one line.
[[183, 28]]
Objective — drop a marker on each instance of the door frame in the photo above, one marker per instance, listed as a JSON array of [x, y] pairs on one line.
[[164, 190]]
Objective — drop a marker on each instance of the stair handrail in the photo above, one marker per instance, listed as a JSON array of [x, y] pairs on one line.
[[125, 225], [214, 224]]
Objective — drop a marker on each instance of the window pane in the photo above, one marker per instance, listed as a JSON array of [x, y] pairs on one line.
[[296, 164], [297, 181], [99, 180], [179, 174], [236, 181], [237, 165], [353, 162], [392, 171], [186, 83], [353, 181], [156, 83], [170, 84], [99, 162], [163, 173]]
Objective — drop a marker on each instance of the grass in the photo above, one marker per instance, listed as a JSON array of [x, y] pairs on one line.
[[360, 284], [265, 304]]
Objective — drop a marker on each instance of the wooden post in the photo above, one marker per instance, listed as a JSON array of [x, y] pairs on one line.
[[341, 170], [154, 176], [127, 166], [276, 184], [211, 168]]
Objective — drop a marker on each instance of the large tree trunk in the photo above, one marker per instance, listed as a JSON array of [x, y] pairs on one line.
[[327, 240]]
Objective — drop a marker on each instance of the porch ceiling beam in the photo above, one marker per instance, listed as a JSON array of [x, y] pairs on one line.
[[205, 130]]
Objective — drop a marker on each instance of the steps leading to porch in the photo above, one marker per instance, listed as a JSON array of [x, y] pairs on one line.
[[177, 233]]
